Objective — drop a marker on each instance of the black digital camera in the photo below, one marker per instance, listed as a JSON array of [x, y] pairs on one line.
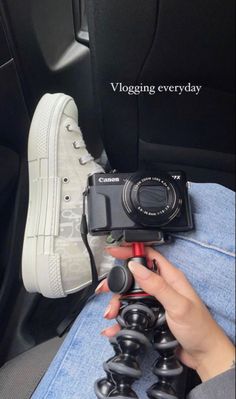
[[140, 205]]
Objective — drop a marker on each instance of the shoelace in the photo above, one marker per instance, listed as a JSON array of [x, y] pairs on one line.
[[79, 144], [85, 159], [71, 126]]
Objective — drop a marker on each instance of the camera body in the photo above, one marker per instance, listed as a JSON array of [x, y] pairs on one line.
[[139, 204]]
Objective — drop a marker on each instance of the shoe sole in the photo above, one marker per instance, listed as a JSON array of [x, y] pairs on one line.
[[41, 269]]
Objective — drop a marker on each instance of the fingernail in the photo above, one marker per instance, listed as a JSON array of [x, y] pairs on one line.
[[107, 311], [104, 333], [139, 271], [99, 287]]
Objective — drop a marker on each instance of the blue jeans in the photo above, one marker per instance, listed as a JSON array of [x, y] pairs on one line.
[[206, 256]]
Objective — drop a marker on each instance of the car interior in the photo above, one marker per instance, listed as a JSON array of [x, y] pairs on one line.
[[78, 47]]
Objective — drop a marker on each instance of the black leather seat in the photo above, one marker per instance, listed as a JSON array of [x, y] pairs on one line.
[[164, 43], [9, 172]]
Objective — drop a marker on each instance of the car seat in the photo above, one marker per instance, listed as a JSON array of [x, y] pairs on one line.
[[166, 43]]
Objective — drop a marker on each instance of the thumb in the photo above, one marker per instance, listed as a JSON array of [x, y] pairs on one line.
[[155, 285]]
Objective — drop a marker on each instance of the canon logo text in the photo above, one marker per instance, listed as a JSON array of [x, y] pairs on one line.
[[108, 179]]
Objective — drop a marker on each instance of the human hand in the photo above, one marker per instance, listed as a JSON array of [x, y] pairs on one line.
[[204, 346]]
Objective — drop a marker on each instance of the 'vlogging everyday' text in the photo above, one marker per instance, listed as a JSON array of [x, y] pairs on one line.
[[136, 90]]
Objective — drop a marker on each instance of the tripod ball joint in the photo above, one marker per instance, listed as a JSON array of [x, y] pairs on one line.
[[121, 280]]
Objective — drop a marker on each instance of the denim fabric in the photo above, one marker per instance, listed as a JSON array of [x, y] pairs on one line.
[[207, 257]]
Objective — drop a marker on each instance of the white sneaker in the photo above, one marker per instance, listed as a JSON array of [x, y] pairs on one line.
[[55, 262]]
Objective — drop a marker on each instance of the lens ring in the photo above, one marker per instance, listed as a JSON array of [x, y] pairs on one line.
[[142, 215]]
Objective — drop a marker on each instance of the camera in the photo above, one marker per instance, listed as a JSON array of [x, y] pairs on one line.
[[138, 206]]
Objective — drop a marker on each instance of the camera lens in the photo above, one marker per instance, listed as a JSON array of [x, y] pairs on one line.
[[153, 197], [151, 200]]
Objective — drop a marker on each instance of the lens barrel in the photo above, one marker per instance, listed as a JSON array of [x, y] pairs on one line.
[[151, 200]]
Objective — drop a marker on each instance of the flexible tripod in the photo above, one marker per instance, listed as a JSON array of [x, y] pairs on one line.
[[143, 323]]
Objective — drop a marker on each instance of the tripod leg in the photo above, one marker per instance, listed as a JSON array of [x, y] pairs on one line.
[[136, 320], [167, 367], [105, 386]]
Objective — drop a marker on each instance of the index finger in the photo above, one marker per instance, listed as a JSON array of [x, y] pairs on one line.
[[120, 252]]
